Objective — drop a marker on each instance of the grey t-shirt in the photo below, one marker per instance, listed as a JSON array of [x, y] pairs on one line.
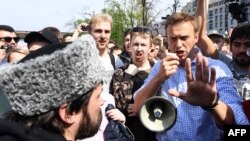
[[240, 75]]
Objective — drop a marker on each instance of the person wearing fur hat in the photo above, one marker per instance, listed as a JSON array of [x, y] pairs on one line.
[[54, 96]]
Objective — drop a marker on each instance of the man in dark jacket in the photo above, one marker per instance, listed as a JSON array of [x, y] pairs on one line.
[[54, 97]]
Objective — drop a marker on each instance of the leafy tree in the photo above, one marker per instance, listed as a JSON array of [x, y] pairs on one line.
[[130, 13], [127, 14], [119, 20], [86, 15]]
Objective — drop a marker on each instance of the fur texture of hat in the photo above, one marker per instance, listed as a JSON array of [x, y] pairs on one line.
[[46, 82]]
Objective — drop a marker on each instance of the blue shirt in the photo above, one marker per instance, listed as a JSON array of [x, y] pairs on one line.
[[193, 123], [3, 62]]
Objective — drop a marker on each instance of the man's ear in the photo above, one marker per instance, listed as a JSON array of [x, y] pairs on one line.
[[197, 37], [64, 115]]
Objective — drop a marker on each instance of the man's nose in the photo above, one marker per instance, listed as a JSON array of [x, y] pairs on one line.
[[178, 43], [103, 34], [139, 47]]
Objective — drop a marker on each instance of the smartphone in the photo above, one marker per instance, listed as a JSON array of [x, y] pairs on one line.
[[85, 28]]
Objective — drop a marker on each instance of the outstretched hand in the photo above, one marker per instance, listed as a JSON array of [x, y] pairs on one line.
[[201, 90]]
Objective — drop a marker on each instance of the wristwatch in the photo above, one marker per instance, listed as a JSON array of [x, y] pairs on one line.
[[211, 108]]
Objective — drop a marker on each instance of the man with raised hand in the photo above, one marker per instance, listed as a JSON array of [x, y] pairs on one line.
[[201, 88]]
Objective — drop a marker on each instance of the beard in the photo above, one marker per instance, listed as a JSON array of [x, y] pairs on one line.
[[242, 61], [89, 128]]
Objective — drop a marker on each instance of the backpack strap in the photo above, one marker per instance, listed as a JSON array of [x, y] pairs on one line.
[[112, 58]]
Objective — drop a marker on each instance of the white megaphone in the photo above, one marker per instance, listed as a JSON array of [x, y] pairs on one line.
[[158, 114]]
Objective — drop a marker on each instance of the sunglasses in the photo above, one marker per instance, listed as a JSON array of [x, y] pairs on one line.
[[9, 39], [141, 29]]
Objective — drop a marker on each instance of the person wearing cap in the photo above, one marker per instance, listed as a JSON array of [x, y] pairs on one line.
[[36, 40], [217, 38], [226, 47], [54, 96], [239, 43], [8, 39]]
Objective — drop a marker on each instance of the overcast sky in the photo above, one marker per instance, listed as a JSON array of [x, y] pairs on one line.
[[33, 15]]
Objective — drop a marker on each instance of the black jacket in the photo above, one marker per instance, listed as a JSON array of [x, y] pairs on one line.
[[11, 131]]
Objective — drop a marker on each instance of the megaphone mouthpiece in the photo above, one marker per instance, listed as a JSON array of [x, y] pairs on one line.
[[157, 111], [158, 114]]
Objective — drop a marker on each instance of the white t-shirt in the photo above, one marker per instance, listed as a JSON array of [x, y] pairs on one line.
[[108, 98]]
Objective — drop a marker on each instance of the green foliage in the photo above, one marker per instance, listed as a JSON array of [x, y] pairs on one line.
[[127, 14], [119, 20]]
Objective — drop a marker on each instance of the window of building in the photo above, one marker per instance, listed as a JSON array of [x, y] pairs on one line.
[[211, 14], [221, 18], [210, 26], [216, 11], [216, 4]]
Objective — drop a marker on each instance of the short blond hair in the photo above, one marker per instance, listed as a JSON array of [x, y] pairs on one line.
[[100, 18]]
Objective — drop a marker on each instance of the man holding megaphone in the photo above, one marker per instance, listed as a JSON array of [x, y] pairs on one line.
[[201, 88]]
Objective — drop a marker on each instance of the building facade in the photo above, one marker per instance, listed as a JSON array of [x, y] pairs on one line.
[[218, 16]]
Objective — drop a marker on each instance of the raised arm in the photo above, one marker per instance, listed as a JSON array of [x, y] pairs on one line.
[[157, 76], [202, 91], [205, 43]]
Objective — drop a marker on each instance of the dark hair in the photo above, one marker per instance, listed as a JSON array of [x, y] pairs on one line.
[[116, 47], [51, 120], [7, 28], [112, 42], [127, 32], [55, 30], [239, 32]]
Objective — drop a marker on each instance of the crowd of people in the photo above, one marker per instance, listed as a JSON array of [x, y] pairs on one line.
[[59, 86]]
